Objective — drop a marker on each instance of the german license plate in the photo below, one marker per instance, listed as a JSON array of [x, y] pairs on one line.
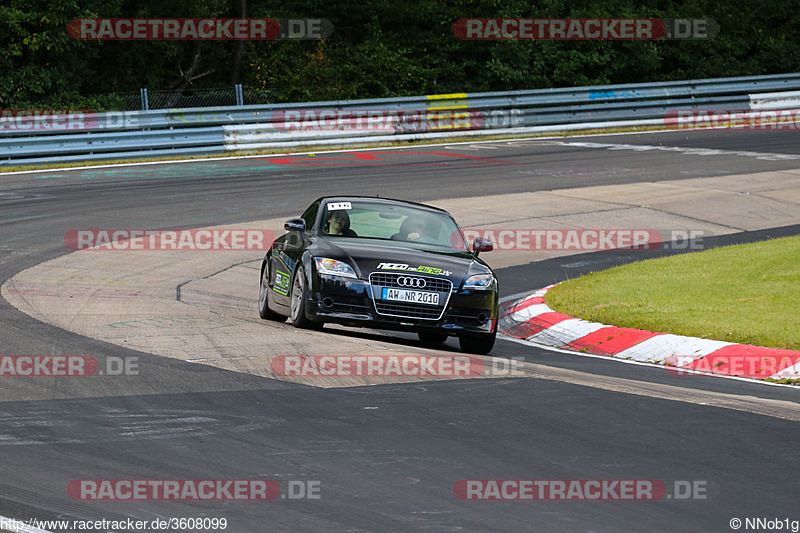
[[416, 297]]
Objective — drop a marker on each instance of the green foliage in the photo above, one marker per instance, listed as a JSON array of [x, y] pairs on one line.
[[743, 294], [171, 64], [379, 48], [40, 65]]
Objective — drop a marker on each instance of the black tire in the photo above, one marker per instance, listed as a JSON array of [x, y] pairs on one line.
[[477, 344], [298, 309], [427, 337], [263, 301]]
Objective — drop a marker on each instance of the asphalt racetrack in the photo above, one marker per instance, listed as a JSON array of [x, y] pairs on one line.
[[388, 456]]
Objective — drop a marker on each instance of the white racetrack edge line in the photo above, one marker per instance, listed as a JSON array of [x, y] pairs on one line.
[[22, 527], [639, 363], [284, 154], [517, 296]]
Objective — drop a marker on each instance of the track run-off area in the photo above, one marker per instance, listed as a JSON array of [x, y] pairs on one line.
[[185, 386]]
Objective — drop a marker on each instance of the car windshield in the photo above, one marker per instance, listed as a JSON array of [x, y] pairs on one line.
[[401, 224]]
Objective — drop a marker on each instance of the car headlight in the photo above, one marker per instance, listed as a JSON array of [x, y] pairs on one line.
[[332, 267], [479, 281]]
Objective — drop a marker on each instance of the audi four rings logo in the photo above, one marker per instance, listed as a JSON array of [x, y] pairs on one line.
[[405, 281]]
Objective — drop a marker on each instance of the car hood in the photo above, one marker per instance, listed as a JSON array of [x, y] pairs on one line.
[[374, 256]]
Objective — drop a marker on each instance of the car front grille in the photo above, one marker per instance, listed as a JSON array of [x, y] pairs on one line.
[[348, 300], [467, 316], [410, 310], [405, 310], [391, 280]]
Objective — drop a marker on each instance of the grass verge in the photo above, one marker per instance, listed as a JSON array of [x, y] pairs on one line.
[[748, 294]]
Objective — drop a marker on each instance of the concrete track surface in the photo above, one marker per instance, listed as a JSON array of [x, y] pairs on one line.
[[204, 401]]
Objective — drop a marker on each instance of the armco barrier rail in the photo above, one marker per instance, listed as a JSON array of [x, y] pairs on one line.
[[24, 139]]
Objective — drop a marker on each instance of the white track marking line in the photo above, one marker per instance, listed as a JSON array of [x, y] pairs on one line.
[[765, 156]]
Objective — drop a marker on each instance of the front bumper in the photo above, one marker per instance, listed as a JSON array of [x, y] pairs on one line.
[[356, 302]]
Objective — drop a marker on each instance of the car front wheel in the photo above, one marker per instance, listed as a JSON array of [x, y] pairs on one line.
[[477, 344], [298, 308], [431, 338], [263, 301]]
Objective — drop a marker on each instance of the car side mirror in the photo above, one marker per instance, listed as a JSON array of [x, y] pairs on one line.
[[296, 228], [481, 245], [295, 224]]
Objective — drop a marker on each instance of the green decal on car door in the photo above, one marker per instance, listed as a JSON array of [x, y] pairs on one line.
[[281, 283]]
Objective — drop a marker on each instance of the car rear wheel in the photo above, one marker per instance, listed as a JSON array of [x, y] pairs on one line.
[[298, 308], [263, 301], [477, 344], [426, 337]]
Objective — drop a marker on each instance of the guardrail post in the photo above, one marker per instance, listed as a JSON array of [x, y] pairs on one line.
[[239, 94], [145, 103]]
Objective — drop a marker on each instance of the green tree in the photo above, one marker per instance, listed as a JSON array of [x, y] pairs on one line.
[[379, 48], [40, 65]]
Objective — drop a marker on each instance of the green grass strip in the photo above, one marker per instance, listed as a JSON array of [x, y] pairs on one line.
[[748, 294]]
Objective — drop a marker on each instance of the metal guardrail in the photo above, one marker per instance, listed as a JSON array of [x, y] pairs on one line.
[[209, 131], [782, 100]]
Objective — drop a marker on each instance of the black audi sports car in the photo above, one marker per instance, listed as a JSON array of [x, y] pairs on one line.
[[383, 264]]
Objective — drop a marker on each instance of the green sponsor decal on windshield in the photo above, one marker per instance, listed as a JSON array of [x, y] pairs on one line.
[[420, 269]]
